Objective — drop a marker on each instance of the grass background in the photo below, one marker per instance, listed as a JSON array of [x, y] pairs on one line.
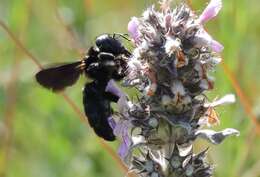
[[41, 134]]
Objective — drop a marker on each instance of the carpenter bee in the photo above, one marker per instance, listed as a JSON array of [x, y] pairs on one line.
[[104, 61]]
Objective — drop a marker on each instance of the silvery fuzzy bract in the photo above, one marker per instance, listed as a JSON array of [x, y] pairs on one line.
[[171, 66]]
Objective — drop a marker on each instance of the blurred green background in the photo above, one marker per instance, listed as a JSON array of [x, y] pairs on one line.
[[42, 136]]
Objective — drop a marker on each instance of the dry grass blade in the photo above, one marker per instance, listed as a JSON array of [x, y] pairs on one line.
[[8, 119], [68, 29], [67, 99], [19, 44]]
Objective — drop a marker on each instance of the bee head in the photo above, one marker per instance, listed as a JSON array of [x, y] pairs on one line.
[[110, 44]]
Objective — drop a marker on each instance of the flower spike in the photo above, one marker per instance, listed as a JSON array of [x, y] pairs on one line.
[[170, 68]]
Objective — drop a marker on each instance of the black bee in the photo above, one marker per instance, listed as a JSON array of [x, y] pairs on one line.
[[105, 61]]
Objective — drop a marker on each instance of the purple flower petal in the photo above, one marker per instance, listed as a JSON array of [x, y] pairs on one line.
[[211, 11], [113, 88], [124, 147], [121, 130], [133, 28], [203, 38], [216, 46], [111, 122], [122, 151]]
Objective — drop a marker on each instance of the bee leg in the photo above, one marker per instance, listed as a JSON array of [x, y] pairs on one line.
[[111, 97]]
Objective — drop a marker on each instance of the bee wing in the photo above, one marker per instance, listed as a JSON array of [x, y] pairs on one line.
[[59, 76]]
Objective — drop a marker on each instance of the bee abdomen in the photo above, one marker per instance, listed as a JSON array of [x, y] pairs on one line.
[[98, 109]]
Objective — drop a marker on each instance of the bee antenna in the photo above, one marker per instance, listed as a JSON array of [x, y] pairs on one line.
[[123, 35]]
